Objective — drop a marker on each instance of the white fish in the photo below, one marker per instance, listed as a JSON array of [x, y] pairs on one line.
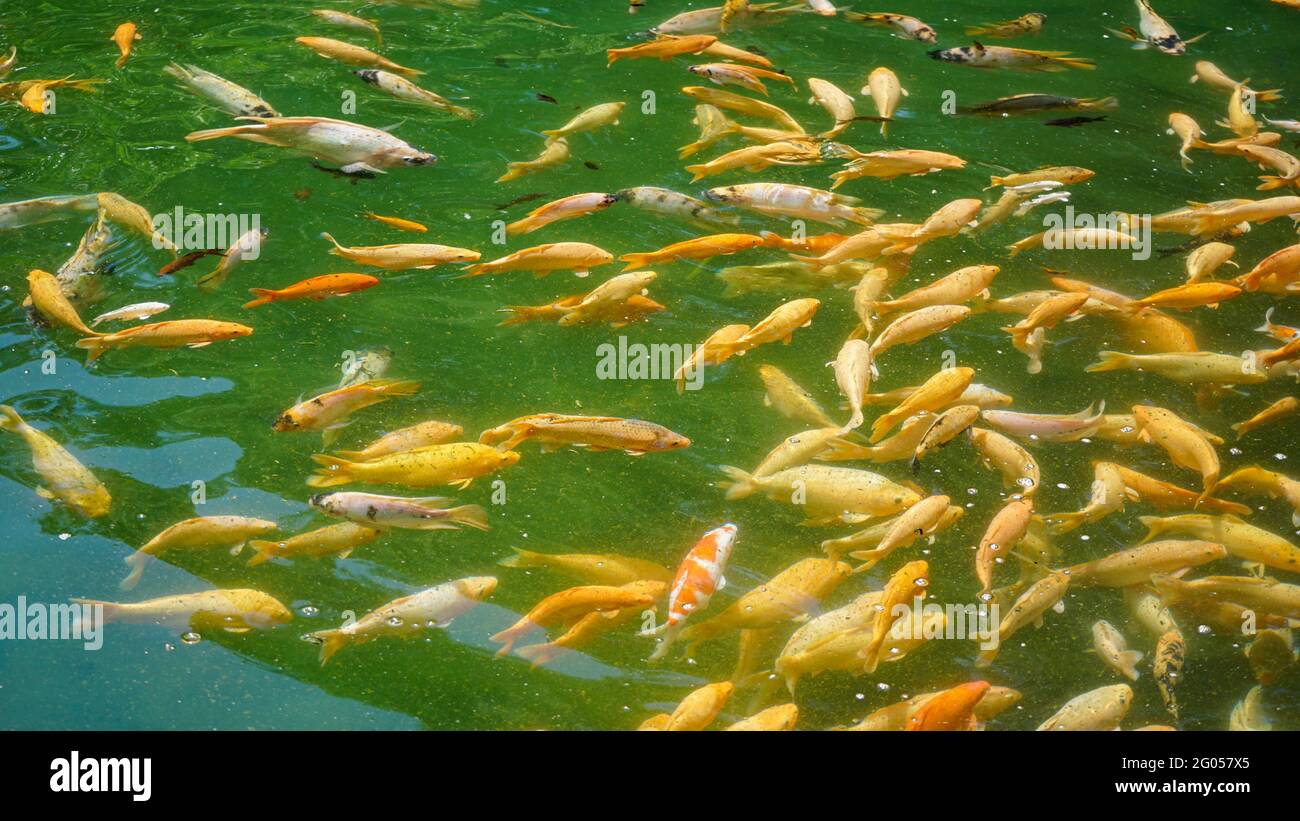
[[140, 310]]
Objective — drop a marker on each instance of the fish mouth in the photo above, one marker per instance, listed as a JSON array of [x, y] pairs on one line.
[[421, 159], [368, 75], [936, 54]]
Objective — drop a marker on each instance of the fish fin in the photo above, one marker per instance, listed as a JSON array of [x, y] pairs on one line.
[[264, 551], [137, 561], [331, 641]]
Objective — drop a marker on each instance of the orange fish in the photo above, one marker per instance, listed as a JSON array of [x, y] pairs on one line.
[[698, 577], [952, 709], [714, 245], [397, 222], [314, 288], [908, 583], [125, 36]]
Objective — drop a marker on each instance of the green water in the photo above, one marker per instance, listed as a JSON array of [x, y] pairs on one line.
[[150, 423]]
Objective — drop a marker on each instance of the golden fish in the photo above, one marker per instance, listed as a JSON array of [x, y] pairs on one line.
[[456, 464], [65, 478], [596, 433]]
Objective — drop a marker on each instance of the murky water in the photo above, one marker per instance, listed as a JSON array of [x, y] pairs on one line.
[[152, 423]]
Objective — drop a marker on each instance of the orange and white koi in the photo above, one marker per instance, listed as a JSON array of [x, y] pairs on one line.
[[698, 577]]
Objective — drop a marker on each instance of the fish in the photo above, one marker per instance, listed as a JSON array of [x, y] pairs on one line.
[[1248, 715], [176, 333], [908, 28], [921, 520], [595, 433], [593, 118], [885, 90], [945, 427], [1027, 24], [1240, 538], [794, 201], [917, 325], [1041, 596], [1255, 479], [204, 532], [338, 540], [350, 21], [230, 97], [592, 568], [403, 89], [697, 578], [578, 257], [1137, 565], [403, 256], [356, 148], [888, 165], [705, 247], [853, 376], [1004, 532], [1109, 644], [1264, 595], [403, 512], [1169, 496], [777, 718], [1018, 468], [662, 48], [1171, 655], [787, 397], [947, 221], [236, 610], [709, 20], [937, 393], [320, 287], [747, 77], [568, 606], [138, 310], [1108, 494], [1100, 709], [836, 102], [124, 36], [1048, 427], [63, 476], [1285, 406], [896, 716], [48, 300], [555, 153], [456, 463], [1066, 175], [728, 101], [619, 301], [699, 709], [1033, 103], [397, 222], [906, 585], [1196, 368], [1213, 76], [1186, 445], [409, 616], [328, 411], [825, 492], [757, 158], [952, 709], [591, 626], [790, 595], [566, 208], [1286, 165], [247, 247], [1208, 258], [978, 55], [352, 55], [671, 203], [1154, 31], [416, 436]]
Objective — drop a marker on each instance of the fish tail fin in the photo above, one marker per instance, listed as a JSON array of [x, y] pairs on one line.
[[264, 551], [331, 641], [469, 515], [1075, 62], [94, 349], [698, 171], [1270, 95], [539, 654], [1271, 182], [1153, 526], [217, 133], [840, 450], [1128, 662], [9, 419], [855, 422], [1110, 361], [264, 296], [395, 387], [1065, 522], [879, 427], [1267, 327], [522, 558], [669, 633], [634, 261], [335, 471], [337, 247], [742, 484], [994, 182], [137, 561]]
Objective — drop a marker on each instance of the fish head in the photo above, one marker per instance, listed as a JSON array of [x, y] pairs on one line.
[[927, 35], [368, 75], [287, 422], [726, 194], [322, 501], [673, 441], [267, 612], [508, 458], [417, 157]]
